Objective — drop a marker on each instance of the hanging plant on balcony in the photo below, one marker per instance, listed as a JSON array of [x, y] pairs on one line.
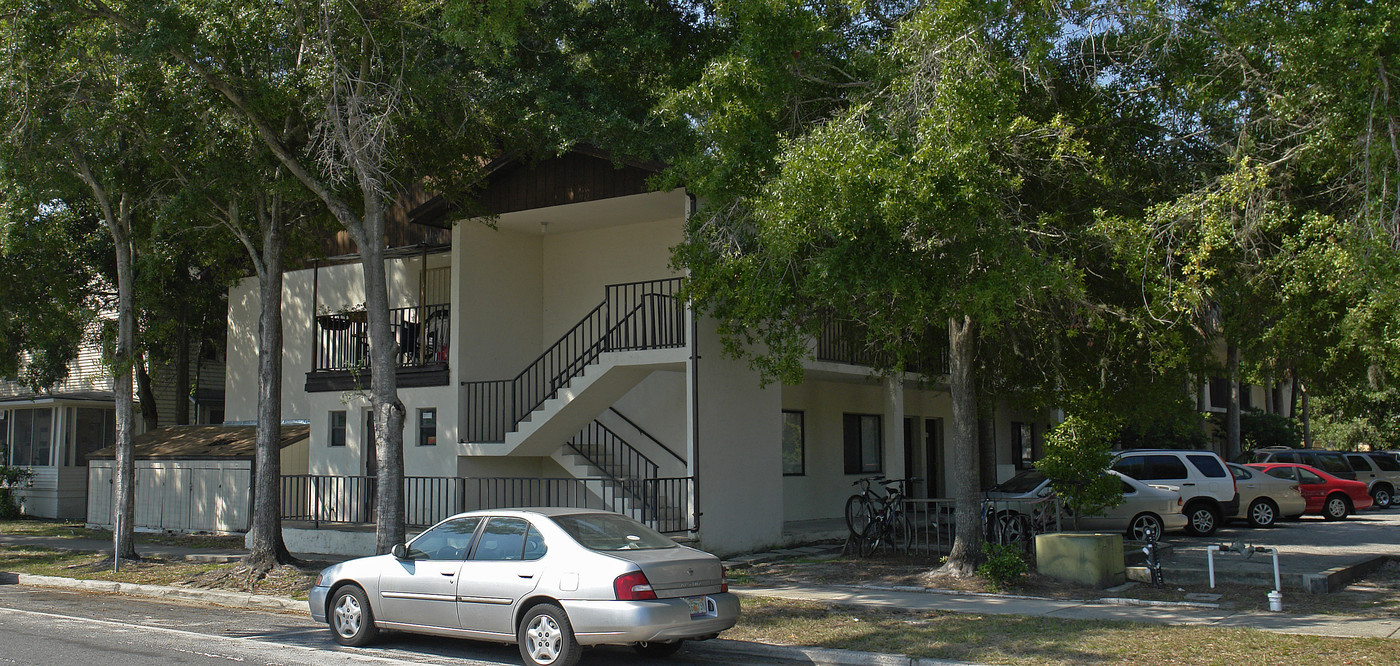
[[341, 319]]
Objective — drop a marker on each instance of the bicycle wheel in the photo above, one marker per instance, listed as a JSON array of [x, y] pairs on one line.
[[902, 534], [859, 511], [873, 537], [1012, 528]]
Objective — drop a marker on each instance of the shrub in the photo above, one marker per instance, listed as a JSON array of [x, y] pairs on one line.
[[1004, 565], [11, 479]]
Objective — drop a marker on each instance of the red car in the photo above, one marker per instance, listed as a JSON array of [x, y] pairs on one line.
[[1323, 493]]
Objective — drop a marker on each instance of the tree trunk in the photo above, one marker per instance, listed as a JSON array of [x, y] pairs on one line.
[[968, 537], [384, 394], [1232, 411], [150, 412], [266, 549], [182, 370], [124, 478]]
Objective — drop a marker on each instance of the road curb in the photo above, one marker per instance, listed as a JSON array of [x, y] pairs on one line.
[[217, 597], [812, 655]]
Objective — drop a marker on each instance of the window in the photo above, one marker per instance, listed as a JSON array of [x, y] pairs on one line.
[[1219, 392], [427, 427], [367, 436], [1286, 473], [1022, 445], [33, 432], [95, 428], [1358, 462], [337, 436], [4, 438], [1241, 473], [503, 539], [448, 541], [794, 455], [1385, 462], [1151, 467], [1209, 465], [1246, 397], [1332, 463], [864, 453], [1305, 476]]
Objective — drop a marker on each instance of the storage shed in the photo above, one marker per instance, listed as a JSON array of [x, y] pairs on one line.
[[192, 478]]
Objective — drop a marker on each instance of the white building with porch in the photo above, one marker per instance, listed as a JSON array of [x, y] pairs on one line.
[[546, 360]]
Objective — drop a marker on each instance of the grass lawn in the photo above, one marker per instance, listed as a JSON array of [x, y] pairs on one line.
[[1004, 639]]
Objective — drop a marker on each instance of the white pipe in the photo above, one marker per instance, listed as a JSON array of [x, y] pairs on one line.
[[1210, 563]]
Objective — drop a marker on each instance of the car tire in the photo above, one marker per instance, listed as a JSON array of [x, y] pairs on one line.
[[1336, 507], [1145, 527], [546, 638], [1383, 496], [1202, 519], [657, 650], [1262, 513], [350, 617]]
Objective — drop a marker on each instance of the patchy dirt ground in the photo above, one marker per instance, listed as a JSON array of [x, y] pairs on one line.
[[287, 580], [1377, 595]]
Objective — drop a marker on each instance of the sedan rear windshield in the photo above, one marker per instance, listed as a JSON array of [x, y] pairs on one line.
[[607, 532], [1021, 483]]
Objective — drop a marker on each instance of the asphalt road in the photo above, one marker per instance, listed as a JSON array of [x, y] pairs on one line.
[[45, 627]]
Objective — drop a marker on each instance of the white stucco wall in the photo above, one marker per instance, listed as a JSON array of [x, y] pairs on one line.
[[578, 265], [738, 454]]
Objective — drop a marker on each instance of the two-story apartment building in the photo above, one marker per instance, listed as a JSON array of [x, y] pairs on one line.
[[545, 359]]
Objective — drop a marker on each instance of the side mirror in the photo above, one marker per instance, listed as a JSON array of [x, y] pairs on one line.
[[399, 551]]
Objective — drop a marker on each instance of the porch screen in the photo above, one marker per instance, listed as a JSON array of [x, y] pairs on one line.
[[33, 432], [95, 429]]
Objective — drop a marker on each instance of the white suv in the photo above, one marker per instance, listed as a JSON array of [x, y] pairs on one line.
[[1207, 488], [1381, 474]]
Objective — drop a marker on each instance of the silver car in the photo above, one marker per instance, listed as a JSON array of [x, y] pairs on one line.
[[1144, 514], [1263, 498], [548, 579]]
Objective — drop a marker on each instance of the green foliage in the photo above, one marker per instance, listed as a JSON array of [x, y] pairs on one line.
[[1258, 430], [1077, 451], [1357, 418], [1003, 566], [12, 479]]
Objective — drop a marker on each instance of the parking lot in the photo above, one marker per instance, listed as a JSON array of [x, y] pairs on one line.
[[1309, 546]]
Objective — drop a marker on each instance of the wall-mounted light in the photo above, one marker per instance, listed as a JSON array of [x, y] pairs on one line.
[[544, 227]]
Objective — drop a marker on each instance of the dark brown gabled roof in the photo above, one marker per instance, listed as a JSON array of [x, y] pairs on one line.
[[203, 442]]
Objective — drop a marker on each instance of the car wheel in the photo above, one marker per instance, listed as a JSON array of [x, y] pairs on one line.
[[546, 638], [658, 650], [1202, 519], [1262, 513], [1336, 508], [1011, 529], [351, 620], [1382, 497], [1145, 527]]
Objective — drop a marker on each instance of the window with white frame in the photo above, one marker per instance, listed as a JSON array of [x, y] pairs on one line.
[[337, 428], [32, 437]]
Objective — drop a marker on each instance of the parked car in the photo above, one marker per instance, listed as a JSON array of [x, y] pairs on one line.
[[1206, 487], [1381, 474], [1145, 513], [551, 580], [1332, 462], [1264, 499], [1333, 497]]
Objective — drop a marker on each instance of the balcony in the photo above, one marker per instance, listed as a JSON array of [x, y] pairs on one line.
[[340, 348]]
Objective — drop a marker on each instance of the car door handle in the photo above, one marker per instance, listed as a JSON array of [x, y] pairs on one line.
[[526, 575], [449, 574]]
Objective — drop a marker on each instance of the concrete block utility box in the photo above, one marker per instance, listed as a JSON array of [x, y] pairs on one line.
[[1081, 557]]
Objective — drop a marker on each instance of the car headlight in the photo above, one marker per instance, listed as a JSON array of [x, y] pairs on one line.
[[320, 580]]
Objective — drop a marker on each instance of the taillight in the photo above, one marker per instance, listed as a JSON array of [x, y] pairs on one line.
[[723, 579], [633, 586]]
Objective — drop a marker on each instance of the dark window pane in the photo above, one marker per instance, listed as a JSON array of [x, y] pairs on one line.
[[1165, 467], [337, 429], [448, 541], [427, 427], [794, 457], [503, 539], [1386, 463], [1358, 463], [1209, 465], [1306, 476], [1282, 473]]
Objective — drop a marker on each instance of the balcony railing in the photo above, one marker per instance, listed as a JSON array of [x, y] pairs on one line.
[[634, 316], [662, 504], [846, 341], [421, 335]]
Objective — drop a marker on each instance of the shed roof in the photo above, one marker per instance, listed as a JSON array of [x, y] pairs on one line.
[[203, 442]]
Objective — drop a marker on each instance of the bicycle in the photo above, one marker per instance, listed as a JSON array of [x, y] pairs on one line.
[[888, 526], [1006, 526], [860, 507]]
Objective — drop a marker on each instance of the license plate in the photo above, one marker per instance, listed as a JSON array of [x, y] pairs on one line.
[[701, 607]]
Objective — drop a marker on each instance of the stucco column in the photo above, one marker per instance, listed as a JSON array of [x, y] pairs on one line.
[[893, 427]]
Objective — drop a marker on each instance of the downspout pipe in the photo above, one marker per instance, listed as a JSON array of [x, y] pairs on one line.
[[691, 206]]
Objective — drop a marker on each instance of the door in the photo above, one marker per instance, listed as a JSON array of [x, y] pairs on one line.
[[422, 590], [933, 457], [503, 568]]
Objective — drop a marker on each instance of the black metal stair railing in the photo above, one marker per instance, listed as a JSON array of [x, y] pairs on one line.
[[633, 316]]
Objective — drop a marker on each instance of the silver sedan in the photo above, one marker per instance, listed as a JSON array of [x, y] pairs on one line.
[[549, 579]]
